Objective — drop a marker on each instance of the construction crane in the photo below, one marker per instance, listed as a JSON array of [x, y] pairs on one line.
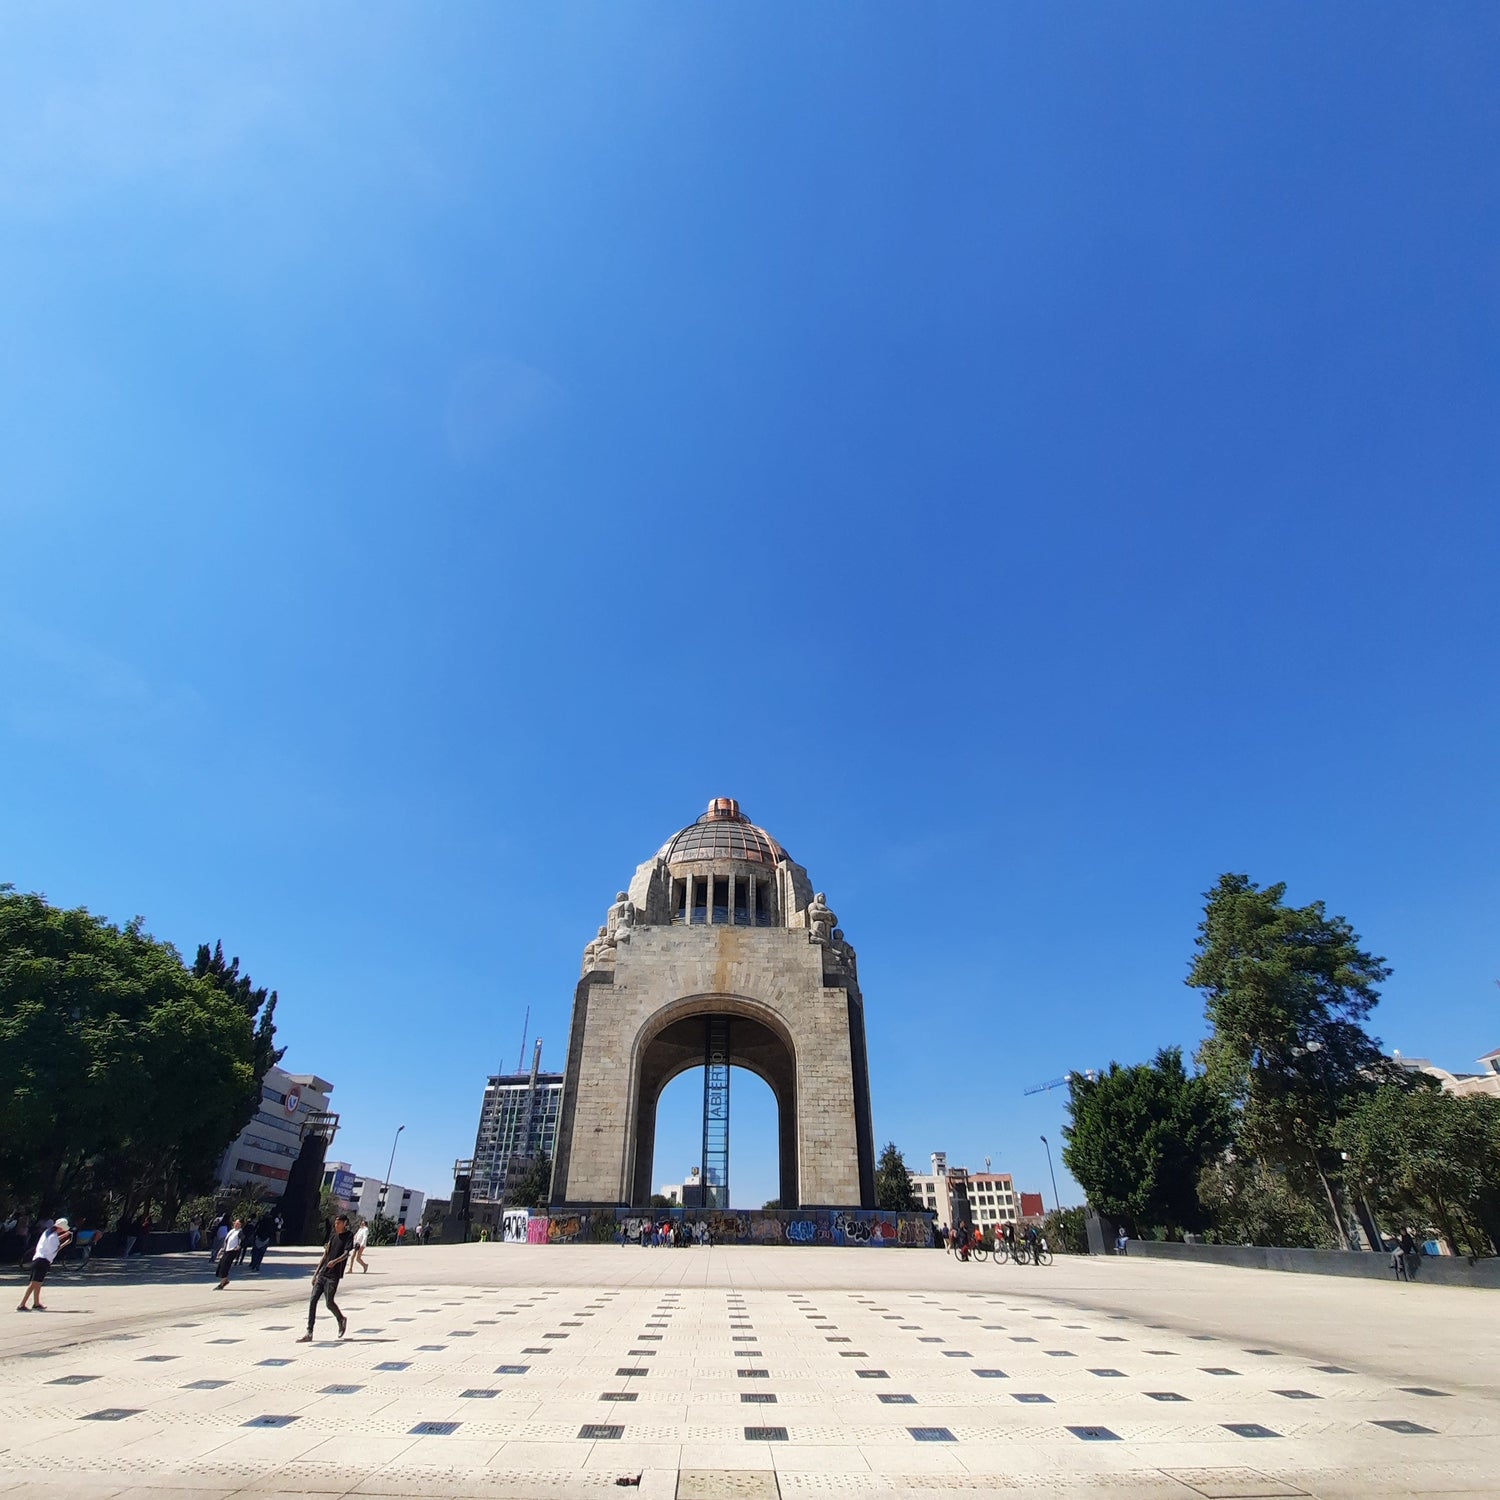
[[1056, 1083]]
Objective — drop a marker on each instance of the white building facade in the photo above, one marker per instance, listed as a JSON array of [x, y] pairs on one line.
[[291, 1105], [984, 1199], [403, 1205]]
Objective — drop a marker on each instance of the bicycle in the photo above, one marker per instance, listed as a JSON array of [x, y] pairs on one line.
[[979, 1252]]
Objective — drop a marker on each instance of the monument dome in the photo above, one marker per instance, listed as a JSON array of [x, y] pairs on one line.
[[723, 832]]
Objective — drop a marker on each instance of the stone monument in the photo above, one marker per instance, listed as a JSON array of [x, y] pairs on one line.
[[720, 954]]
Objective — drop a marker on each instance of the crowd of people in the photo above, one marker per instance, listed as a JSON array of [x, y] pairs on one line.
[[1029, 1244], [677, 1236]]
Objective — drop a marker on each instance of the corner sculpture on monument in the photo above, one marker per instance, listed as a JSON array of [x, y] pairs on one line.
[[719, 955]]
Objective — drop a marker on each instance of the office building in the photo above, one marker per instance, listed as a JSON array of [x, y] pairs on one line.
[[293, 1106]]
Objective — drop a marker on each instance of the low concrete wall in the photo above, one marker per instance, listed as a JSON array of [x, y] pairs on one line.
[[1438, 1270]]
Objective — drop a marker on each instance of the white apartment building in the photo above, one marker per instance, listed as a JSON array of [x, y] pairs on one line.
[[1485, 1081], [988, 1198], [402, 1204], [291, 1105]]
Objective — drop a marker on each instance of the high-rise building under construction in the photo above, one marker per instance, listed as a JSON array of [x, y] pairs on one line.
[[517, 1128]]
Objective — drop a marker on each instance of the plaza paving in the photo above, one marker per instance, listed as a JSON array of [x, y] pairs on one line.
[[492, 1370]]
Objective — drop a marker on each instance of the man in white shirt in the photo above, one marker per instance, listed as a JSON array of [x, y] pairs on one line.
[[230, 1253], [53, 1238]]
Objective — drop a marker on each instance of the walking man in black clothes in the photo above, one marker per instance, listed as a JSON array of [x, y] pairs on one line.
[[326, 1277]]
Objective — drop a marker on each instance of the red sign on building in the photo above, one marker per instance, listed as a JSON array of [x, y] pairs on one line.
[[1031, 1205]]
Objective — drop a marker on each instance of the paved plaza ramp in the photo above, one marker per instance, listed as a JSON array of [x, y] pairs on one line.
[[509, 1370]]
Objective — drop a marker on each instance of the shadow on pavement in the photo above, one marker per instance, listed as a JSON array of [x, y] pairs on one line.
[[175, 1270]]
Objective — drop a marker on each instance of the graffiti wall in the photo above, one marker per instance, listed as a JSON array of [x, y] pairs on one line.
[[513, 1226], [846, 1226]]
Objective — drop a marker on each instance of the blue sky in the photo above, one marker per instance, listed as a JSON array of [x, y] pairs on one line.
[[1036, 458]]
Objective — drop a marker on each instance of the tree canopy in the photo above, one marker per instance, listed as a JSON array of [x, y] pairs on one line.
[[1287, 990], [534, 1187], [893, 1190], [1138, 1137], [1427, 1157], [123, 1074]]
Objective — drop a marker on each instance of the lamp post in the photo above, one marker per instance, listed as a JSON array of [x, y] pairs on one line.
[[1056, 1202], [385, 1187]]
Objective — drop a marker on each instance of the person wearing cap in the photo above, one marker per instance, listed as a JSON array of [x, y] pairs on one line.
[[53, 1237], [328, 1274]]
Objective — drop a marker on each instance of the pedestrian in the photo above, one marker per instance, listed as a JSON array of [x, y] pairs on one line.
[[1122, 1241], [943, 1236], [276, 1226], [261, 1235], [195, 1233], [327, 1276], [361, 1239], [221, 1233], [401, 1234], [50, 1242], [128, 1233], [1408, 1244], [230, 1253]]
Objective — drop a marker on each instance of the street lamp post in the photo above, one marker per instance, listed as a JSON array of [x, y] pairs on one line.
[[385, 1187], [1056, 1201]]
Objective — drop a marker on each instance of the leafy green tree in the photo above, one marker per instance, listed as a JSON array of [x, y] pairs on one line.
[[1066, 1231], [1250, 1203], [382, 1230], [1286, 994], [660, 1200], [258, 1004], [1429, 1158], [770, 1204], [534, 1187], [893, 1189], [1138, 1137], [121, 1072]]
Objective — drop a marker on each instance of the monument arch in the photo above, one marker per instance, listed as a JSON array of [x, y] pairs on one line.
[[720, 954]]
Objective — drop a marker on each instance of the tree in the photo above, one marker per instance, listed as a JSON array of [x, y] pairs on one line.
[[1286, 993], [771, 1205], [1250, 1203], [893, 1189], [1066, 1232], [1138, 1137], [258, 1005], [660, 1200], [534, 1186], [1429, 1158], [123, 1076]]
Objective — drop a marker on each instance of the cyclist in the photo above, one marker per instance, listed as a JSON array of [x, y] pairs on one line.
[[1032, 1243]]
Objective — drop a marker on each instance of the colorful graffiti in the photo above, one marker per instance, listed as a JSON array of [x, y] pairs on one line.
[[848, 1227], [513, 1226]]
